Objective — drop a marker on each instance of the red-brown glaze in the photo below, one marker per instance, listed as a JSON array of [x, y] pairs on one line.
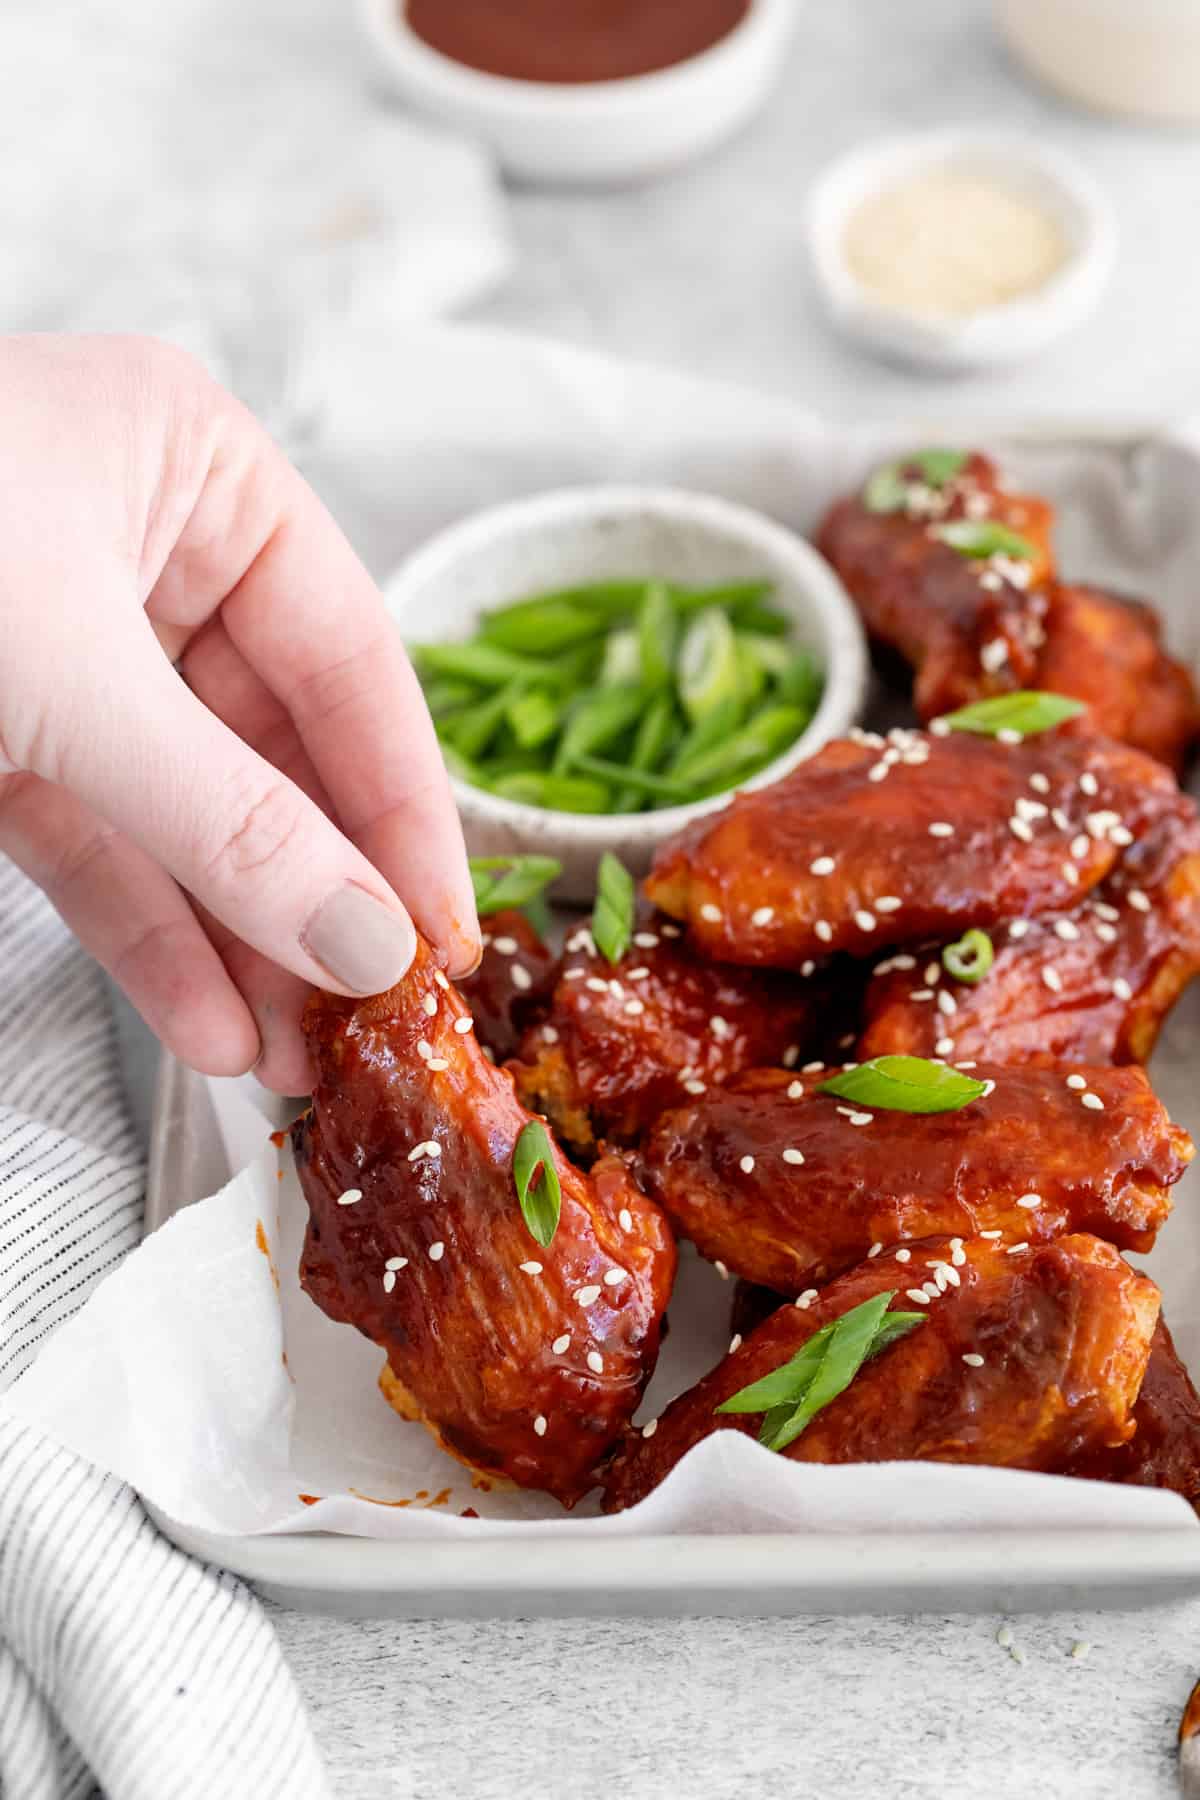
[[1089, 986], [1064, 1330], [501, 999], [585, 40], [1164, 1451], [756, 856], [620, 1042], [469, 1336], [909, 1175], [933, 606]]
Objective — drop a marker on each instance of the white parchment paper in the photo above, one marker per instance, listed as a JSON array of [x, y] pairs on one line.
[[202, 1374]]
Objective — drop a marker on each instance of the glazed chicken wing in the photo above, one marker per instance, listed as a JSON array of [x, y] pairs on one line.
[[1164, 1451], [1028, 1358], [512, 984], [621, 1043], [870, 844], [787, 1186], [524, 1362], [1088, 986]]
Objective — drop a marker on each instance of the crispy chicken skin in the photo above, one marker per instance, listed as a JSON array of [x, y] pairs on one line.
[[958, 831], [925, 600], [1088, 986], [1164, 1451], [428, 1262], [512, 984], [1064, 1331], [725, 1170], [622, 1043]]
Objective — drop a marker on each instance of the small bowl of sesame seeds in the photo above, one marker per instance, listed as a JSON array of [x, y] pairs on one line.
[[555, 544]]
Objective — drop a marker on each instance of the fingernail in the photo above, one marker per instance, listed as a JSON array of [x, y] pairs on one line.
[[468, 959], [365, 945]]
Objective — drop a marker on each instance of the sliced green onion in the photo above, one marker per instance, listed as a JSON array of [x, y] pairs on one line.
[[554, 793], [734, 596], [707, 668], [662, 787], [485, 664], [534, 718], [985, 537], [612, 915], [444, 695], [650, 745], [1027, 712], [505, 883], [622, 665], [771, 656], [473, 728], [886, 490], [970, 958], [657, 635], [536, 1180], [595, 720], [706, 732], [760, 740], [908, 1084], [801, 683]]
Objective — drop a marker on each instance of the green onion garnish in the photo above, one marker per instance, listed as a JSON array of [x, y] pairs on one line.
[[792, 1395], [536, 1180], [985, 537], [1026, 712], [970, 958], [504, 883], [908, 1084], [612, 915], [886, 490]]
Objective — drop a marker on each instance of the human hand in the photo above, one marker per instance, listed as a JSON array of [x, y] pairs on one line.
[[271, 820]]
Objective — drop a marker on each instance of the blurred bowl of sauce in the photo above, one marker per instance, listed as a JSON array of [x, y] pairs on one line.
[[590, 92]]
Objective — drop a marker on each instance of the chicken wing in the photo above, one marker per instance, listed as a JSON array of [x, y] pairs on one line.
[[787, 1186], [512, 984], [524, 1362], [1029, 1357], [869, 844], [622, 1043], [1088, 986], [1164, 1451]]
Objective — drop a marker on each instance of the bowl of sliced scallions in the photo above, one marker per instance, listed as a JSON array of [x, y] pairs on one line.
[[604, 664]]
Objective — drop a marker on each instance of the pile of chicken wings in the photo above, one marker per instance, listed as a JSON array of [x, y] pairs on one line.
[[794, 935]]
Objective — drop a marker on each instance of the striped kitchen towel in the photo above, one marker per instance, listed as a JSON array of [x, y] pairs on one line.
[[124, 1664]]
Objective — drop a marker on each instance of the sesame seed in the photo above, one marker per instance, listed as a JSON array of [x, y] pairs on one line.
[[549, 1034], [351, 1197], [670, 931], [812, 1068], [805, 1300], [888, 903], [993, 655], [989, 1087], [1006, 735], [424, 1049], [1080, 847], [1076, 1081], [860, 1118], [614, 1277], [1121, 837], [436, 1064], [1021, 830], [747, 1165], [762, 915], [595, 1362], [718, 1026], [946, 1002], [645, 940], [396, 1262], [972, 1359], [991, 1234], [1122, 989], [1066, 930], [1040, 783], [940, 829], [966, 1065], [824, 930], [710, 913], [441, 980], [958, 1255], [694, 1087], [1004, 1638], [807, 967], [874, 1250], [1017, 1654], [416, 1153], [1015, 1249], [877, 772], [1070, 873], [934, 1289], [561, 1344], [1093, 1102], [625, 1219], [903, 1255], [649, 1428], [919, 1295], [865, 920], [920, 993], [1052, 979], [587, 1296], [944, 1047], [1103, 910], [795, 1090], [1106, 933], [430, 1005], [463, 1025], [1029, 809], [531, 1268], [596, 985], [1088, 783], [793, 1156], [1080, 1649], [1030, 1200], [1139, 901], [389, 1281], [939, 728], [436, 1252], [933, 974], [634, 1007], [824, 865], [1017, 929], [791, 1056], [539, 1424], [572, 974], [507, 946]]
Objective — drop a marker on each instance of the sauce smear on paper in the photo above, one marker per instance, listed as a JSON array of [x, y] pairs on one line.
[[583, 40]]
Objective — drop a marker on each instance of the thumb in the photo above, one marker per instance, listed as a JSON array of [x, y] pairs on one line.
[[245, 841]]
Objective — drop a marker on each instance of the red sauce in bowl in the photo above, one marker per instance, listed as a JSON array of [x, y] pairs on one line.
[[572, 40]]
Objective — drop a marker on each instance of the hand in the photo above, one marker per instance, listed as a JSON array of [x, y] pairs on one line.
[[222, 840]]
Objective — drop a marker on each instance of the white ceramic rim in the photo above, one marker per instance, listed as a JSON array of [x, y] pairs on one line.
[[1029, 320], [503, 98], [845, 674]]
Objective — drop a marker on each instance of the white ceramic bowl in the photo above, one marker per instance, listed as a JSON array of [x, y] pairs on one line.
[[999, 334], [1141, 61], [602, 131], [580, 535]]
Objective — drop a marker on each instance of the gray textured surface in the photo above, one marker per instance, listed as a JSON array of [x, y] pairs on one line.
[[707, 271]]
